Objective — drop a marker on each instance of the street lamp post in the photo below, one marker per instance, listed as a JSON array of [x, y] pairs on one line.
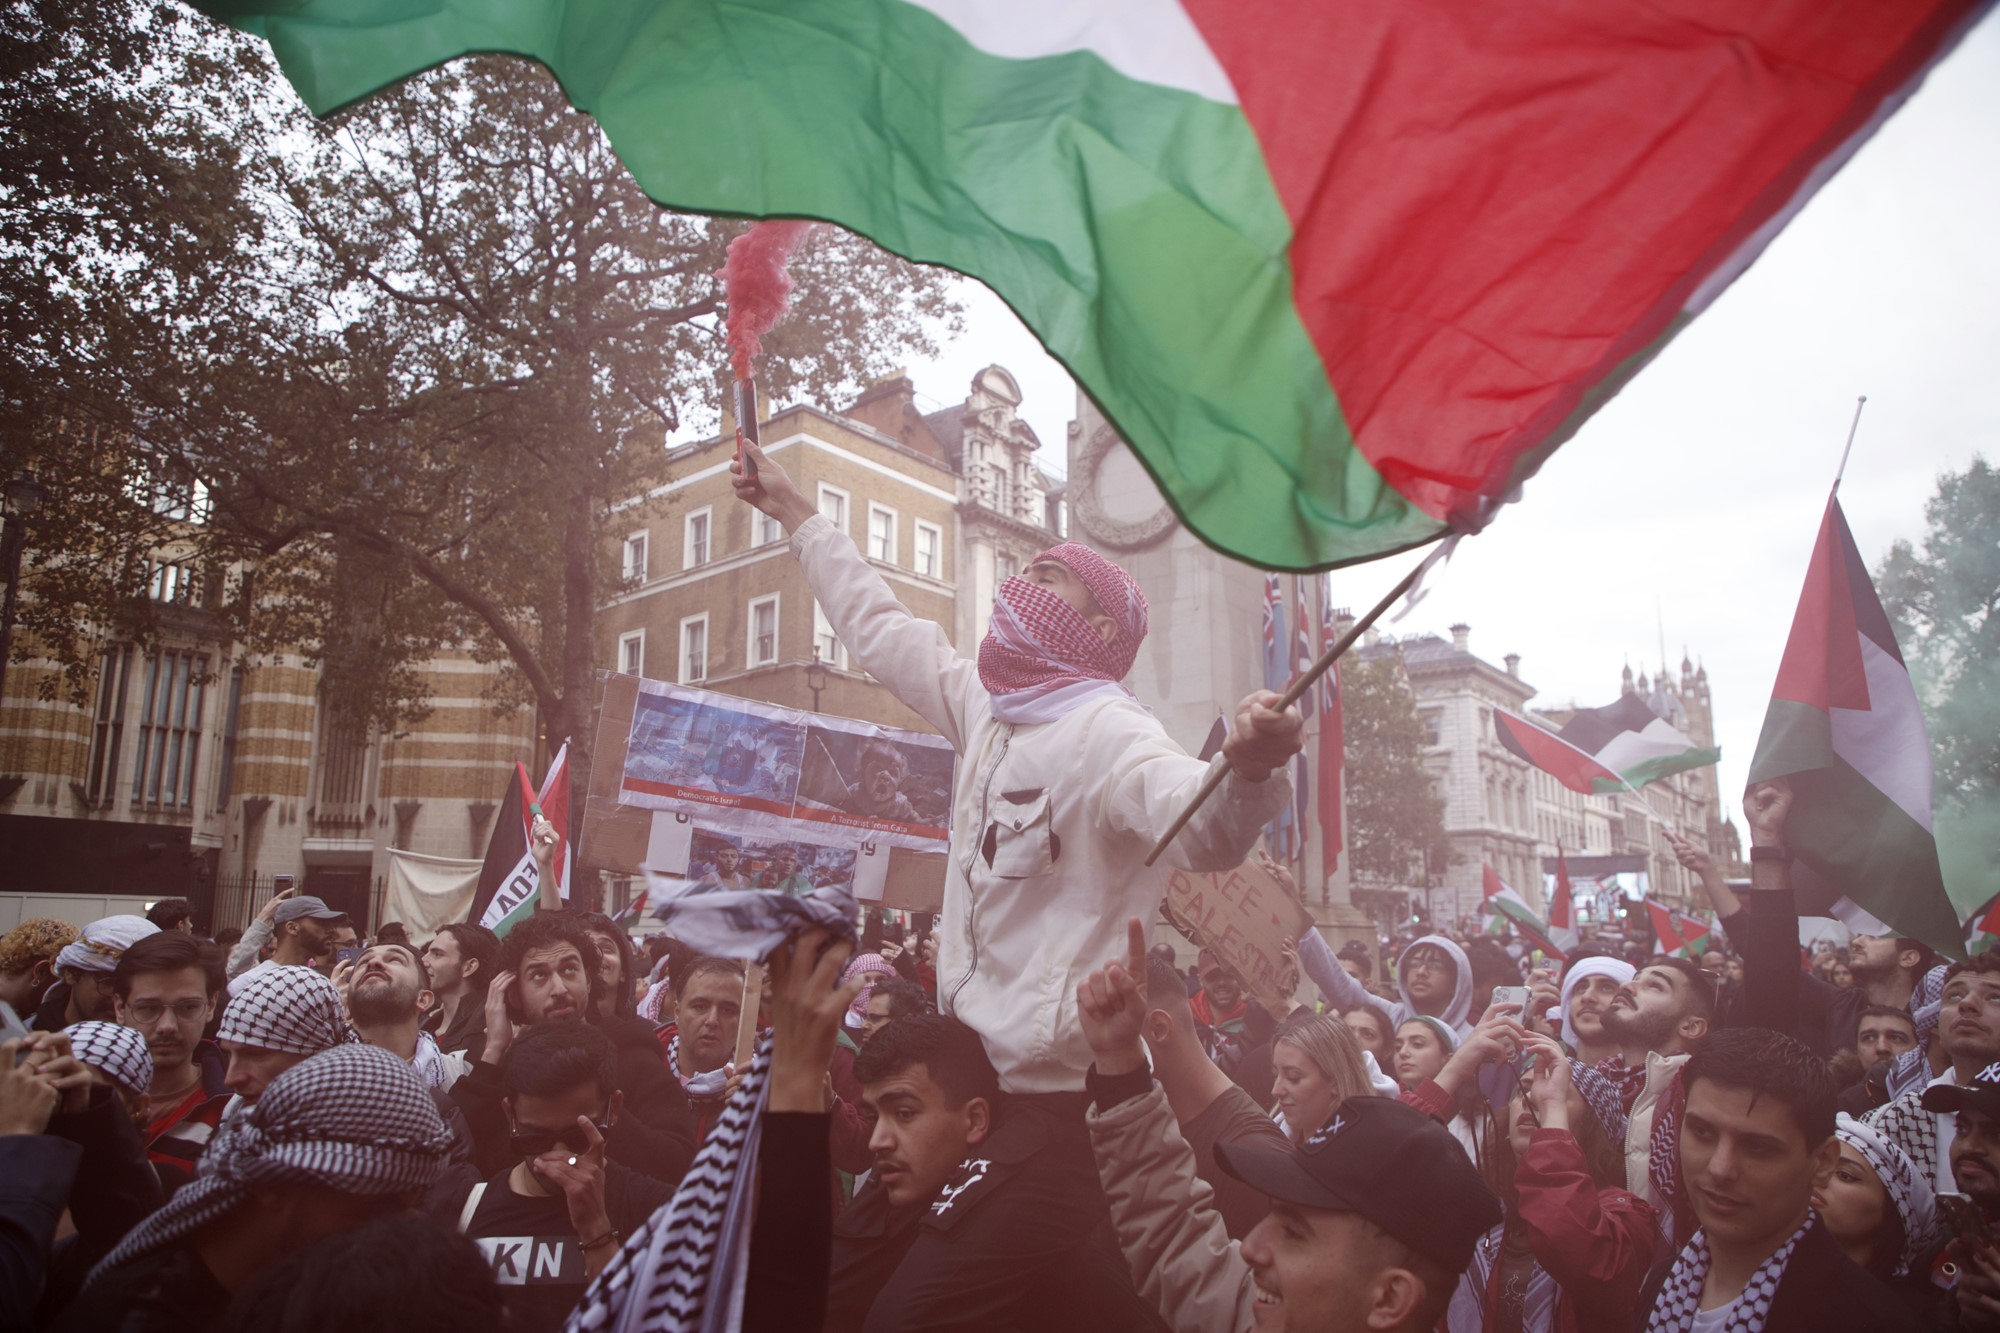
[[816, 677], [23, 496]]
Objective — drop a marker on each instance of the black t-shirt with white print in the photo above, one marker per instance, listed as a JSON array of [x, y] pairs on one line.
[[536, 1255]]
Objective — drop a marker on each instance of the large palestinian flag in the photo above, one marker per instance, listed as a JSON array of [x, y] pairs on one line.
[[1344, 274], [1678, 934], [510, 880], [1845, 729]]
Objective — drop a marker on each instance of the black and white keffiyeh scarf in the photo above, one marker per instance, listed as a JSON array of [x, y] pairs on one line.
[[746, 923], [684, 1270], [120, 1053], [1680, 1298], [704, 1085], [354, 1118]]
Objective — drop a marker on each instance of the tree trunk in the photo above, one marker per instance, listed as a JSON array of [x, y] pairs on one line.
[[573, 720]]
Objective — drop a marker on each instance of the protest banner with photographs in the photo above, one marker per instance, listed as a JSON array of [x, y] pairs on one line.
[[1245, 916], [689, 749], [742, 788]]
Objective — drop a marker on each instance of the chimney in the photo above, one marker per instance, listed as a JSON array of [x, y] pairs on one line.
[[1461, 634], [1513, 661]]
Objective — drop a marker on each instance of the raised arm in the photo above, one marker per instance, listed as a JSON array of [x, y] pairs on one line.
[[912, 657], [1152, 780]]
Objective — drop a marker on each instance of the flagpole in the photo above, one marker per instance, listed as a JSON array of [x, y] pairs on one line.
[[1853, 426], [1219, 766]]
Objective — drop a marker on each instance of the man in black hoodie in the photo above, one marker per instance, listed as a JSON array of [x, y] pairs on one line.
[[548, 971]]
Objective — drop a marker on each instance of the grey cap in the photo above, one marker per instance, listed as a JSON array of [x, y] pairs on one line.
[[293, 909]]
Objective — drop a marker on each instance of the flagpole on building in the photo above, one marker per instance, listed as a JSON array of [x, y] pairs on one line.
[[1219, 766], [1853, 426]]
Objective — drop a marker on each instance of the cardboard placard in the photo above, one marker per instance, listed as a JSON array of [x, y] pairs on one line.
[[1245, 916]]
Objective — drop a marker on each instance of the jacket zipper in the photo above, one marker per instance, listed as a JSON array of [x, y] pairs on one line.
[[972, 902]]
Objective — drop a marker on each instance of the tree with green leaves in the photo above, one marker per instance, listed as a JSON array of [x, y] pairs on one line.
[[1944, 602], [1395, 817], [434, 340]]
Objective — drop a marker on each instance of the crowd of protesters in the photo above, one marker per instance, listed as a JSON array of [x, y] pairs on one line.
[[309, 1129], [468, 1128]]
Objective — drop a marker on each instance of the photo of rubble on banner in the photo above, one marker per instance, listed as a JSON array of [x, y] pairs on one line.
[[769, 776]]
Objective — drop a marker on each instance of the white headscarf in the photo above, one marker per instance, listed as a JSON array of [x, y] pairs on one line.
[[99, 945], [1617, 969], [1908, 1188]]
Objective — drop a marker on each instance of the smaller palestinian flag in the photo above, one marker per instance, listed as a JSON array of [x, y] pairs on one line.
[[1680, 935], [1983, 930], [1508, 908], [1845, 729], [510, 882], [1562, 919], [1626, 744]]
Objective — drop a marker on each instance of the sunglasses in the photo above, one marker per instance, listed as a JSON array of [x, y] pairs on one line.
[[535, 1142]]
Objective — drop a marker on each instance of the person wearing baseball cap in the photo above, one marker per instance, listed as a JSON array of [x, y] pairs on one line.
[[305, 932], [1373, 1216]]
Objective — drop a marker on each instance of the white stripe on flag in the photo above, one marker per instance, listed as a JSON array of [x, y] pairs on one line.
[[1628, 749], [1152, 41], [1886, 742]]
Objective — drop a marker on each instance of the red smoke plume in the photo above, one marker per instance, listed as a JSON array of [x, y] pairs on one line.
[[758, 287]]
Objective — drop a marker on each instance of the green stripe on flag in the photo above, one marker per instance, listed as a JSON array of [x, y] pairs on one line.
[[1660, 766], [1116, 217]]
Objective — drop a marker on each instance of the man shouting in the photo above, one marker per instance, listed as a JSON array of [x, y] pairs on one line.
[[1066, 779]]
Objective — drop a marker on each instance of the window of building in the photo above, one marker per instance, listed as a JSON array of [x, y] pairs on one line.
[[694, 540], [343, 767], [108, 726], [694, 649], [930, 550], [1431, 727], [172, 581], [833, 503], [762, 649], [1006, 566], [169, 730], [826, 644], [881, 533], [632, 653], [633, 565], [232, 716], [764, 530]]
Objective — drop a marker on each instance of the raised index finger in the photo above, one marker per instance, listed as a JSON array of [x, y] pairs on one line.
[[1135, 946]]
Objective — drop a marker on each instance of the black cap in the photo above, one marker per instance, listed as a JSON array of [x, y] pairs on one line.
[[1387, 1162], [1981, 1095]]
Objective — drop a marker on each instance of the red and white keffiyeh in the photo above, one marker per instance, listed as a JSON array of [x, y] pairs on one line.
[[1040, 657]]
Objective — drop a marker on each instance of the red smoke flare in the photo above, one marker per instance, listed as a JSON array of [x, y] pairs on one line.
[[758, 287]]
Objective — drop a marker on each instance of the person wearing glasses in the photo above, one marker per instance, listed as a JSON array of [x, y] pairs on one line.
[[553, 1219], [167, 986]]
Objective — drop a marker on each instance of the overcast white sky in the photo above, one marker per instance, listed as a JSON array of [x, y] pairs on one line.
[[1695, 495]]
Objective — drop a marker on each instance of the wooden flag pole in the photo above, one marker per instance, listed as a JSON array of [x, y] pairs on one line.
[[746, 1021], [1219, 765]]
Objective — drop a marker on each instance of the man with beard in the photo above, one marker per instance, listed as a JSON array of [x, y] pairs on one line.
[[725, 871], [548, 970], [167, 986], [1975, 1166], [1969, 1030], [1884, 1036], [304, 932], [388, 993], [879, 793], [1588, 988], [1658, 1020]]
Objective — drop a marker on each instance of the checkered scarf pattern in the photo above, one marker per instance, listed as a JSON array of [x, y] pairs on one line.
[[1911, 1193], [875, 963], [118, 1052], [1680, 1298], [664, 1278], [1611, 1089], [286, 1009], [1912, 1068], [354, 1118], [1037, 643]]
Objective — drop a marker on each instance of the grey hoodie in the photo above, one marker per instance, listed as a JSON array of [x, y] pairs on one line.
[[1457, 1014]]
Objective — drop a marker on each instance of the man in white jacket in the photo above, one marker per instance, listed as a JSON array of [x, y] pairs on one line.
[[1065, 779]]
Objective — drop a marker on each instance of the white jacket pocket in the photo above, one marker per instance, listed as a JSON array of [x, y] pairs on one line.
[[1021, 843]]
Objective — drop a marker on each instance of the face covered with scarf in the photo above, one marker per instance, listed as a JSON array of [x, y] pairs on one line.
[[1065, 632]]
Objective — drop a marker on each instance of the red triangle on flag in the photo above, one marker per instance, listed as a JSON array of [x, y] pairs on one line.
[[1822, 664]]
